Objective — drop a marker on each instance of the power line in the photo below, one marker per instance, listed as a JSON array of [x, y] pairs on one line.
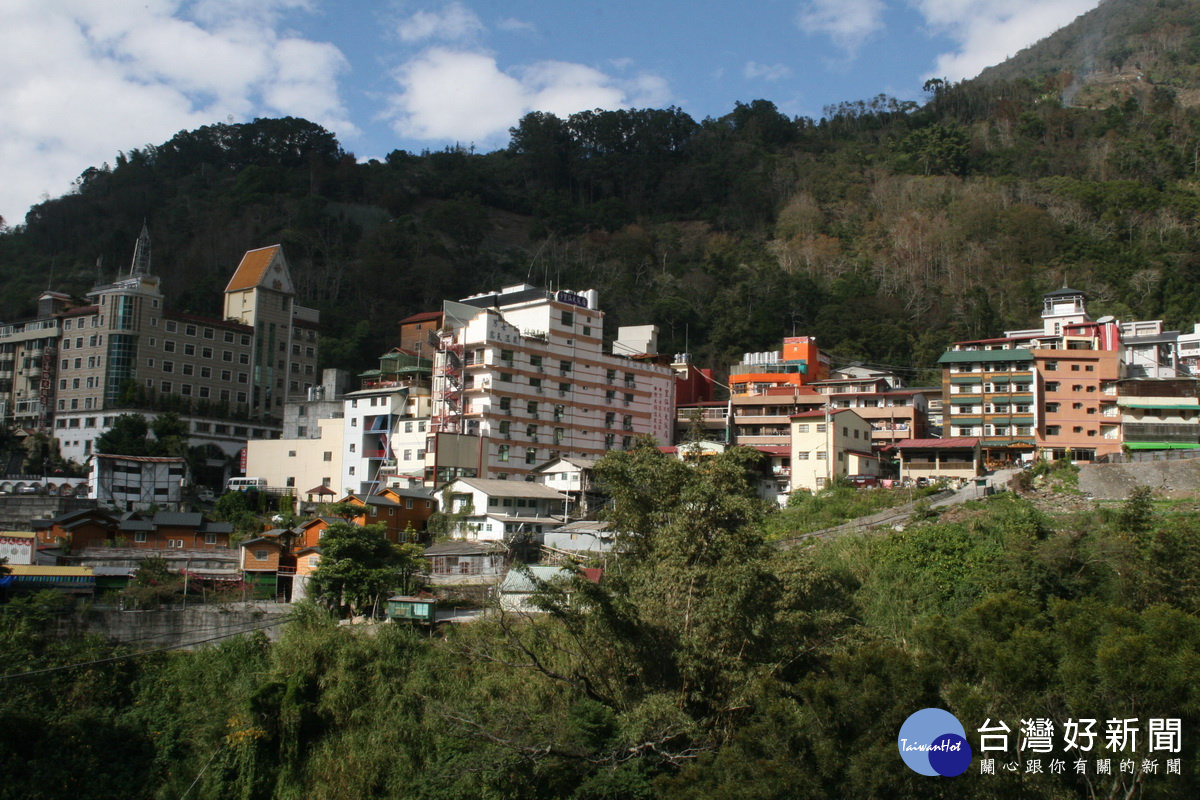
[[140, 653]]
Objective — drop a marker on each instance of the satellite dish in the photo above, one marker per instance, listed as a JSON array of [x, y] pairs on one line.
[[1105, 319]]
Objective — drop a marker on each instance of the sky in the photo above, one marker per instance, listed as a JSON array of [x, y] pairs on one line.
[[86, 79]]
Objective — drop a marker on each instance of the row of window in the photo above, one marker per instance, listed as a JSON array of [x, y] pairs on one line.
[[990, 366], [1052, 366], [992, 388]]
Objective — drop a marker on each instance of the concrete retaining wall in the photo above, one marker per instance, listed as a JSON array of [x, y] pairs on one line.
[[184, 628]]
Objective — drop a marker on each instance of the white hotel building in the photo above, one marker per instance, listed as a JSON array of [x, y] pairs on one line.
[[521, 377]]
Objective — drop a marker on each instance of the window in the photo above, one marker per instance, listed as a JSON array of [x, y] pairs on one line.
[[568, 319], [169, 345], [1053, 430], [503, 451], [1051, 366], [1051, 386], [530, 455], [506, 377], [327, 455], [821, 428], [802, 455], [506, 404], [822, 455], [1089, 368]]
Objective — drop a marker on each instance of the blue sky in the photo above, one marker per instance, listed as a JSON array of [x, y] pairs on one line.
[[85, 79]]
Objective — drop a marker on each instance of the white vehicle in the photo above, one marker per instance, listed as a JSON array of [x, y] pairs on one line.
[[245, 484]]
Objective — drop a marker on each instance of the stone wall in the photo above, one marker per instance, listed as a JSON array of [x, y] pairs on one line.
[[182, 628], [16, 511]]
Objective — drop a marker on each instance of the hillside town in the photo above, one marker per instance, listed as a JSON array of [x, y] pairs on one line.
[[490, 414]]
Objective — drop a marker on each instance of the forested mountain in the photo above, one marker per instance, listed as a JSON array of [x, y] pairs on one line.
[[885, 228], [1120, 49]]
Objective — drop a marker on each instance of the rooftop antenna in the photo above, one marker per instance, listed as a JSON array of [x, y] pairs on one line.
[[99, 269], [50, 279], [532, 261]]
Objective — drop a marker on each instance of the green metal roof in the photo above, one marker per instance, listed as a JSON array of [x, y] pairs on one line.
[[1173, 406], [1161, 446], [961, 356]]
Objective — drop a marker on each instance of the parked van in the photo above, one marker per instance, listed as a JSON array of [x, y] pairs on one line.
[[245, 484]]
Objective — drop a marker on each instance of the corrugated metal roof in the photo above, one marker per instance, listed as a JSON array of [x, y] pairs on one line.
[[181, 519], [464, 548], [960, 356], [498, 488], [937, 443]]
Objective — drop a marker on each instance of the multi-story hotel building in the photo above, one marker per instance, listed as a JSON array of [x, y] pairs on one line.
[[1046, 392], [893, 411], [29, 365], [125, 352], [521, 377]]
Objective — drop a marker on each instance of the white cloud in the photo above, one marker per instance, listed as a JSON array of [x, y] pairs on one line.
[[453, 22], [512, 25], [84, 80], [768, 72], [455, 95], [849, 23], [988, 32]]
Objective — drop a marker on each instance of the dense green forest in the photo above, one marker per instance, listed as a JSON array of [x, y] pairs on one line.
[[886, 228], [705, 663]]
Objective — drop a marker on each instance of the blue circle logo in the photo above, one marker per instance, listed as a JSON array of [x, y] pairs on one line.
[[934, 742]]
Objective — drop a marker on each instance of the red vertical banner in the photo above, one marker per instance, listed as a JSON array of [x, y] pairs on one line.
[[242, 460]]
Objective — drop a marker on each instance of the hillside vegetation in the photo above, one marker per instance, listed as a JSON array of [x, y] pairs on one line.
[[705, 663]]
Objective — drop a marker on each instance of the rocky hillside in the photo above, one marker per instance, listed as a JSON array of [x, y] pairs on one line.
[[1120, 50]]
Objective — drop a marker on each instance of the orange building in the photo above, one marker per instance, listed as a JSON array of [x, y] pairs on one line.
[[800, 363], [165, 530], [399, 510]]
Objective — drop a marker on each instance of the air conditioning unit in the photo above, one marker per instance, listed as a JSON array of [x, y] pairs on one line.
[[540, 390], [561, 393]]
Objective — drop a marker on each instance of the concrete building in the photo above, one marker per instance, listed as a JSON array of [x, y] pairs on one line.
[[1053, 391], [827, 445], [137, 483], [761, 417], [1162, 414], [798, 364], [497, 510], [300, 464], [29, 364], [939, 458], [521, 377], [894, 411], [125, 352]]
